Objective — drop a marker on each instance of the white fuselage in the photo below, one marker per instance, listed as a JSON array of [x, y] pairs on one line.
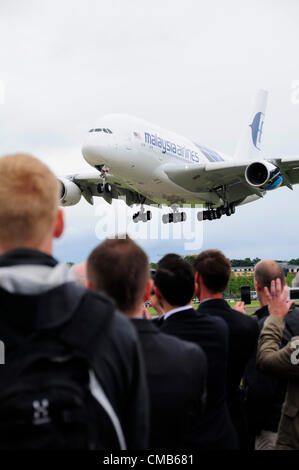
[[135, 152]]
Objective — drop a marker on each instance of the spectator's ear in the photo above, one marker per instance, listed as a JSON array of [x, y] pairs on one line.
[[196, 284], [89, 285], [148, 290], [284, 282], [258, 287], [158, 293], [59, 224]]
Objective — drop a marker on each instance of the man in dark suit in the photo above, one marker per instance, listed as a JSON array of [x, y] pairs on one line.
[[174, 288], [211, 278], [176, 370]]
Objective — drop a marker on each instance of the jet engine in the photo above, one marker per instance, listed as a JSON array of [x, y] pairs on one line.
[[70, 193], [263, 175]]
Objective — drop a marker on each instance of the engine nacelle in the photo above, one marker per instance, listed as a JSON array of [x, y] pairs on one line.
[[70, 193], [263, 175]]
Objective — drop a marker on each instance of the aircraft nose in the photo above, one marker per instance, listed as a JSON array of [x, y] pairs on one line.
[[99, 153]]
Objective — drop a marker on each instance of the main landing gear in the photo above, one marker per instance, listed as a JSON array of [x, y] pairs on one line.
[[174, 217], [142, 215], [212, 214]]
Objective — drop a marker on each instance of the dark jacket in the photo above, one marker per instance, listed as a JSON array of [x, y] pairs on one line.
[[265, 394], [211, 334], [37, 295], [176, 372], [243, 335]]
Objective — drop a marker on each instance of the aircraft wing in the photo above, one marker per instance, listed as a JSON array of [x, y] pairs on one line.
[[289, 168], [204, 177], [211, 176], [92, 184]]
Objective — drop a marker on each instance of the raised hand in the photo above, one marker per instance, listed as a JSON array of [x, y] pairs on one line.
[[277, 299]]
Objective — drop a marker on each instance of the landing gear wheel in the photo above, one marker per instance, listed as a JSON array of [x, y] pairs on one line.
[[142, 216], [174, 217], [107, 188], [136, 217], [228, 211], [100, 188]]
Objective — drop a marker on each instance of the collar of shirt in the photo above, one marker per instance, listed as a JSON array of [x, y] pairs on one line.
[[205, 300], [175, 310]]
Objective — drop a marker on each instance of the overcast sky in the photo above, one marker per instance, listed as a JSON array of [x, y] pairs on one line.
[[193, 67]]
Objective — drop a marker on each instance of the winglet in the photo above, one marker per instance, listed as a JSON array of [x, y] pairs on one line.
[[249, 145]]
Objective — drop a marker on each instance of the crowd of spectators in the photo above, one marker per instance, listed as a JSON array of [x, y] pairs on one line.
[[87, 366]]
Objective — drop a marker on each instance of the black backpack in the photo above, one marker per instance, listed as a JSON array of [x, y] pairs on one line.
[[49, 396]]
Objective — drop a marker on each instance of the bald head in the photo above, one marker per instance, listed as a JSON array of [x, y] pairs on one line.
[[266, 271]]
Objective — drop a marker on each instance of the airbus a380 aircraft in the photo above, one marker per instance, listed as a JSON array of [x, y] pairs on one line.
[[147, 164]]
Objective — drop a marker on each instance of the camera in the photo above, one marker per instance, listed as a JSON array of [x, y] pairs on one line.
[[293, 293]]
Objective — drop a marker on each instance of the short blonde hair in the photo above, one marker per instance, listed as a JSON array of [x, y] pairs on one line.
[[28, 201]]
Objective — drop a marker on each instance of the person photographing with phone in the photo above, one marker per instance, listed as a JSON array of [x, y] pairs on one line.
[[265, 394], [281, 363]]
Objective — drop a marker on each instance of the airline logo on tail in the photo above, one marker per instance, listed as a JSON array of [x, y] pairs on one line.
[[257, 129]]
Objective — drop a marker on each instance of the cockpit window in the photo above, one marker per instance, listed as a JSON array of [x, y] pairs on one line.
[[106, 130]]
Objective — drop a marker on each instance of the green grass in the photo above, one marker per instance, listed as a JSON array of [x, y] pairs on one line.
[[152, 311]]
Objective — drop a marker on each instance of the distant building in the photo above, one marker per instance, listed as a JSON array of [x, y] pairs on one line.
[[243, 270], [291, 268], [247, 270]]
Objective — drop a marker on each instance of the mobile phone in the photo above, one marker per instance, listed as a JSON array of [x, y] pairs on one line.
[[245, 295]]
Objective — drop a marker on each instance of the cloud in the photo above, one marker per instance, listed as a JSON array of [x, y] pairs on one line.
[[192, 67]]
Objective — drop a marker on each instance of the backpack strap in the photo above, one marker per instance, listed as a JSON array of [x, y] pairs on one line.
[[100, 396]]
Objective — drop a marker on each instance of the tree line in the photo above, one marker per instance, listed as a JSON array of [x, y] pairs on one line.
[[240, 280]]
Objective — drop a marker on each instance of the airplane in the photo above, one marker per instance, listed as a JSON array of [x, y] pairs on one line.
[[146, 165]]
